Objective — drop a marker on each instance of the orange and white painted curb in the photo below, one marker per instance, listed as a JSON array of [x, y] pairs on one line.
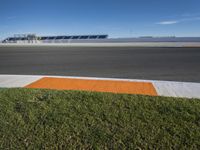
[[126, 86]]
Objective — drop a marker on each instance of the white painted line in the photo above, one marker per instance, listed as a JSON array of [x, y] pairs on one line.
[[83, 78], [12, 81], [177, 89]]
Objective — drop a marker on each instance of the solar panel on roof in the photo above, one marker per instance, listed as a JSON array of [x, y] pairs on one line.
[[67, 37], [59, 37], [23, 39], [16, 39], [102, 37], [11, 39], [84, 37], [75, 37], [44, 38], [93, 37], [51, 38]]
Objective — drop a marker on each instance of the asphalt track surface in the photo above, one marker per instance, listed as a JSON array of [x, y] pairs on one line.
[[171, 64]]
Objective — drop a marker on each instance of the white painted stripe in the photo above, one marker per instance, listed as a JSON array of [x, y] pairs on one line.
[[12, 81], [163, 88], [177, 89], [83, 78]]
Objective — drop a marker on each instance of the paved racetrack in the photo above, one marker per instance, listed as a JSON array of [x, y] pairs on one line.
[[173, 64]]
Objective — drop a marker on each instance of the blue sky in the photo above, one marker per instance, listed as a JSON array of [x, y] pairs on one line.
[[118, 18]]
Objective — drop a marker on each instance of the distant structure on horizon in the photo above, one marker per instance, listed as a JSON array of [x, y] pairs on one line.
[[33, 38]]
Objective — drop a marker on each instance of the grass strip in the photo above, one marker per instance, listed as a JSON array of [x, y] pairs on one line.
[[50, 119]]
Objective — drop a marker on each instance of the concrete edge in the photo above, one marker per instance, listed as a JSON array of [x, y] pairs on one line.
[[128, 44], [163, 88]]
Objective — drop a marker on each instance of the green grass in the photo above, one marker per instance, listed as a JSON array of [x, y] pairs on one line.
[[46, 119]]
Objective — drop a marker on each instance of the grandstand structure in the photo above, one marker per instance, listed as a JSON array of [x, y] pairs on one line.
[[32, 38]]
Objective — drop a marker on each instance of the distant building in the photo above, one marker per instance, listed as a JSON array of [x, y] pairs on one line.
[[32, 38]]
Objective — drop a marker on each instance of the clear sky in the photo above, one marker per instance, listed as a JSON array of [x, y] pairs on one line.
[[118, 18]]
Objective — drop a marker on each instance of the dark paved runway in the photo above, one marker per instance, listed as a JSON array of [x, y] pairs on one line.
[[175, 64]]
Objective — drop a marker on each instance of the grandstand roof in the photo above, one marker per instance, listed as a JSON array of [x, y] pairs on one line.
[[81, 37]]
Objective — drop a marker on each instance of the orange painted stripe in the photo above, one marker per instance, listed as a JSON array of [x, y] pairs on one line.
[[125, 87]]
